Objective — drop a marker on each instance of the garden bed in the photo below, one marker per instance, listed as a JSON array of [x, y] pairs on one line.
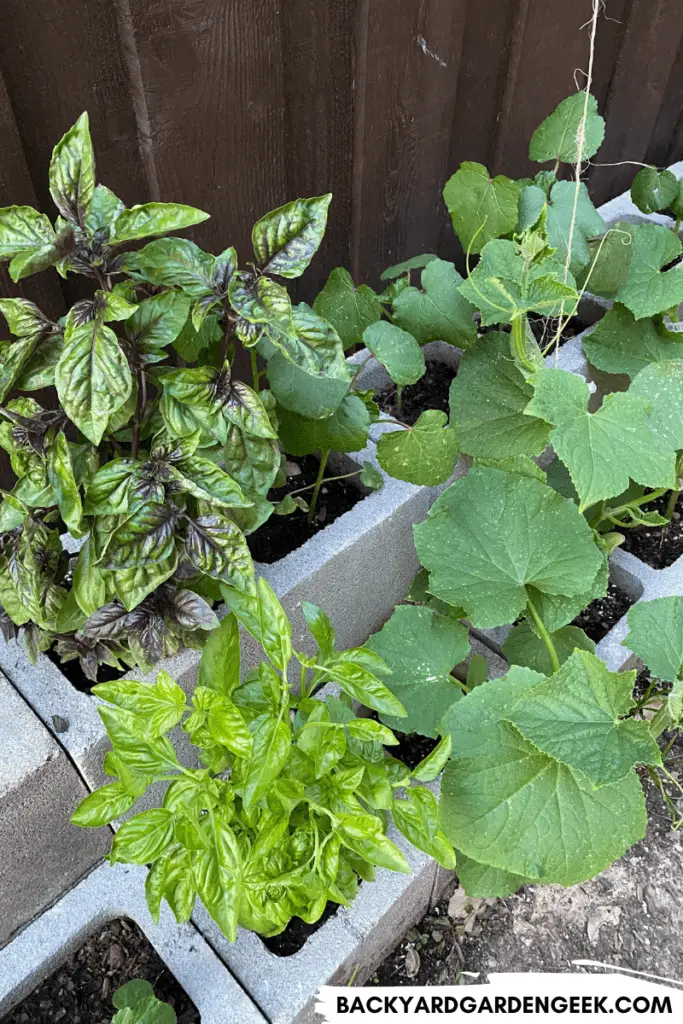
[[80, 989]]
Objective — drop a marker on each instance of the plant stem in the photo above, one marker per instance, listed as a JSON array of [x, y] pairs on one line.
[[545, 635], [324, 456], [671, 504], [139, 411], [399, 396], [677, 225], [327, 480], [255, 372], [519, 342]]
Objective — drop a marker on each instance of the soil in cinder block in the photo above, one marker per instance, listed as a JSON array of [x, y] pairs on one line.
[[658, 546], [281, 535], [81, 989], [297, 933], [430, 392], [598, 618]]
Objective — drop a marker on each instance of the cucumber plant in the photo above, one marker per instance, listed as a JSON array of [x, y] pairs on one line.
[[158, 468], [541, 785], [136, 1003], [292, 804]]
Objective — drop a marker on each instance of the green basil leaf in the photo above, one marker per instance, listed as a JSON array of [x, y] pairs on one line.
[[286, 239], [219, 668], [325, 744], [103, 806], [142, 838], [24, 319], [417, 817], [271, 744], [23, 229], [104, 210], [89, 585], [107, 492], [72, 172], [63, 482], [176, 263], [263, 616], [134, 584], [320, 628], [146, 756], [159, 319], [93, 378], [204, 479], [159, 705], [154, 219], [216, 546], [363, 834], [433, 764], [360, 684]]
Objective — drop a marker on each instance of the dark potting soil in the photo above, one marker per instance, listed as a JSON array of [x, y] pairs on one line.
[[296, 934], [659, 546], [76, 676], [412, 748], [598, 618], [430, 392], [81, 989], [282, 534]]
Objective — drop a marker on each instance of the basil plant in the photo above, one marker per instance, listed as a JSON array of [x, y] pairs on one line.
[[156, 468], [291, 806]]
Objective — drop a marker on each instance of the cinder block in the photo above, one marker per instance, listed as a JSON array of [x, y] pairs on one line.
[[41, 852], [642, 583], [106, 894]]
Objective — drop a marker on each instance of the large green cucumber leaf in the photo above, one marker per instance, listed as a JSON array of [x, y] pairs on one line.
[[656, 636], [481, 207], [349, 309], [621, 344], [483, 881], [578, 718], [438, 312], [506, 804], [648, 289], [487, 400], [421, 647], [556, 138], [424, 454], [493, 534], [605, 449], [661, 384]]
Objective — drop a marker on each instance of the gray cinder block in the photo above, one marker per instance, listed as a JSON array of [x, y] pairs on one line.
[[41, 852], [104, 895]]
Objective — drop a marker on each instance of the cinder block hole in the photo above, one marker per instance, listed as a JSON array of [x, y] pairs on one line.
[[80, 990]]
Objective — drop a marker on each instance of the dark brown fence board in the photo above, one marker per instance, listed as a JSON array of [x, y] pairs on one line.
[[651, 42], [237, 106], [213, 79], [319, 46], [413, 59], [16, 189], [59, 59]]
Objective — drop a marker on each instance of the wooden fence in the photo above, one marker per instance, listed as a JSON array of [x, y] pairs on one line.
[[237, 105]]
